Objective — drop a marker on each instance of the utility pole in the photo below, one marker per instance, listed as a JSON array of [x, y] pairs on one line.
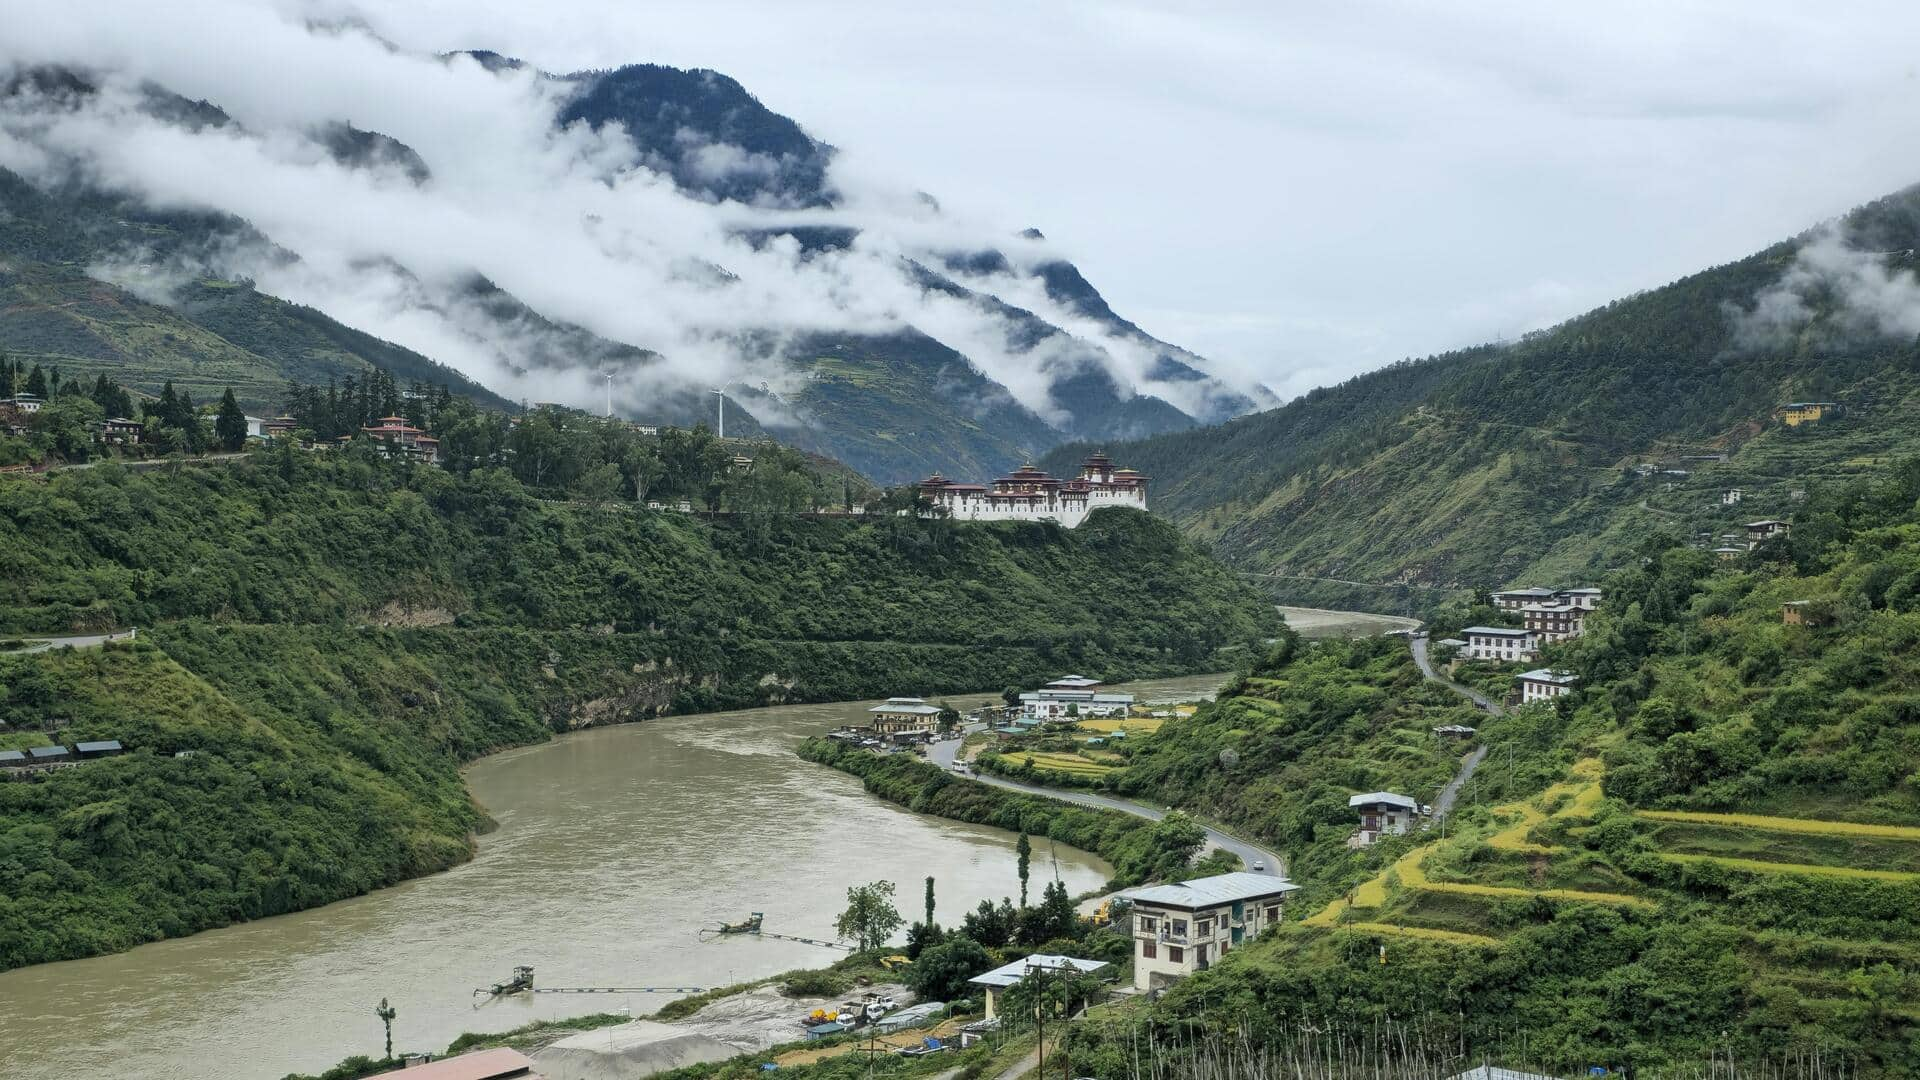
[[386, 1013], [720, 410], [609, 378]]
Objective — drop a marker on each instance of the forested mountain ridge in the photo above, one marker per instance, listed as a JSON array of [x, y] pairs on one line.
[[331, 636], [746, 261], [1507, 462]]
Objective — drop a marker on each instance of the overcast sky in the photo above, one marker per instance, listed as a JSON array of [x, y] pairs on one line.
[[1309, 190]]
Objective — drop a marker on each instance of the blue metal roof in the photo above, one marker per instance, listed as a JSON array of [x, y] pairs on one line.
[[48, 752], [100, 747]]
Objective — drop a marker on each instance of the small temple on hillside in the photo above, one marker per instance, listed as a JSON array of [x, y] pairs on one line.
[[1028, 494]]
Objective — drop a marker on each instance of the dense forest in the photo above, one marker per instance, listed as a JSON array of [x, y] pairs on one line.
[[1502, 463], [328, 636]]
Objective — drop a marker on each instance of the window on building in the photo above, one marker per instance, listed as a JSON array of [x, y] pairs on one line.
[[1180, 927], [1273, 913], [1204, 927], [1176, 954], [1148, 950], [1148, 925]]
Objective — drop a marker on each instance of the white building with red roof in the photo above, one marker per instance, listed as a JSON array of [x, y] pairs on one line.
[[400, 434], [1028, 494]]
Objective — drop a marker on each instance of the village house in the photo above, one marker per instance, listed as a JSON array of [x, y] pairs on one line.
[[1803, 613], [49, 755], [1498, 643], [279, 427], [13, 759], [901, 715], [98, 749], [1761, 531], [1795, 413], [398, 434], [1048, 703], [1553, 622], [1455, 731], [996, 982], [26, 403], [1541, 684], [1587, 597], [120, 431], [1028, 494], [1731, 497], [1183, 928], [1729, 553], [1074, 682], [1382, 813]]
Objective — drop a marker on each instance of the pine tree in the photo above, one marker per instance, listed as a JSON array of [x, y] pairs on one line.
[[230, 426], [1024, 851], [36, 382], [168, 407]]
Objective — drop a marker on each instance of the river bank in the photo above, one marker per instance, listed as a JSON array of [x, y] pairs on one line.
[[613, 846]]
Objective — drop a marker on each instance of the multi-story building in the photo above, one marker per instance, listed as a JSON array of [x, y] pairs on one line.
[[1183, 928], [1498, 643], [401, 436], [899, 715], [1028, 494], [1759, 531], [1587, 597], [1541, 684], [1553, 622], [1048, 703], [1795, 413]]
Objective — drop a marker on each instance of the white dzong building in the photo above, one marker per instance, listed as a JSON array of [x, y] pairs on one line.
[[1028, 494]]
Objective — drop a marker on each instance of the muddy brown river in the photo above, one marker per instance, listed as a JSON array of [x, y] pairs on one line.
[[614, 847]]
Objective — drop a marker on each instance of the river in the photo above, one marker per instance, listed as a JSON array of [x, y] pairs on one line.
[[615, 845]]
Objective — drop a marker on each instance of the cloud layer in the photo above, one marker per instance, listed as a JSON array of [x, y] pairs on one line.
[[563, 219]]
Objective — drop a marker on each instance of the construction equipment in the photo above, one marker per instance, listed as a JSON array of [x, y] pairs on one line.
[[1103, 914], [522, 981], [896, 961], [749, 925]]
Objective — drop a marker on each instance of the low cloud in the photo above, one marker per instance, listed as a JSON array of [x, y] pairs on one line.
[[562, 219], [1861, 297]]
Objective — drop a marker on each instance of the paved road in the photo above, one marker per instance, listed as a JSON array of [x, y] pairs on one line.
[[943, 754], [1443, 805], [1418, 643], [77, 641]]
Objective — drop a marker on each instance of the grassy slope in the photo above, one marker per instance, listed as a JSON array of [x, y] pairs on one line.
[[1712, 848], [1501, 464], [260, 592]]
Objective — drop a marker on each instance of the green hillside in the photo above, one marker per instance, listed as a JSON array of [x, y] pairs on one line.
[[332, 635], [1516, 462], [1709, 852]]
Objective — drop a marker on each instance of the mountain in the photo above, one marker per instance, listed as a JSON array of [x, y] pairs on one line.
[[204, 334], [1548, 458], [546, 231]]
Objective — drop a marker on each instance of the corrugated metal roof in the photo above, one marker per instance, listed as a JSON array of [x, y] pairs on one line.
[[1206, 891], [99, 747], [496, 1064], [1386, 798], [1008, 974]]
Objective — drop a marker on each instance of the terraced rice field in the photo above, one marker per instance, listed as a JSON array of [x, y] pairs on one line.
[[1760, 866], [1781, 824], [1586, 795], [1451, 937], [1107, 725], [1065, 763], [1414, 877]]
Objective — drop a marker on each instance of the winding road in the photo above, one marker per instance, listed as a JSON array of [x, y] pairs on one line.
[[944, 754], [1443, 804]]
